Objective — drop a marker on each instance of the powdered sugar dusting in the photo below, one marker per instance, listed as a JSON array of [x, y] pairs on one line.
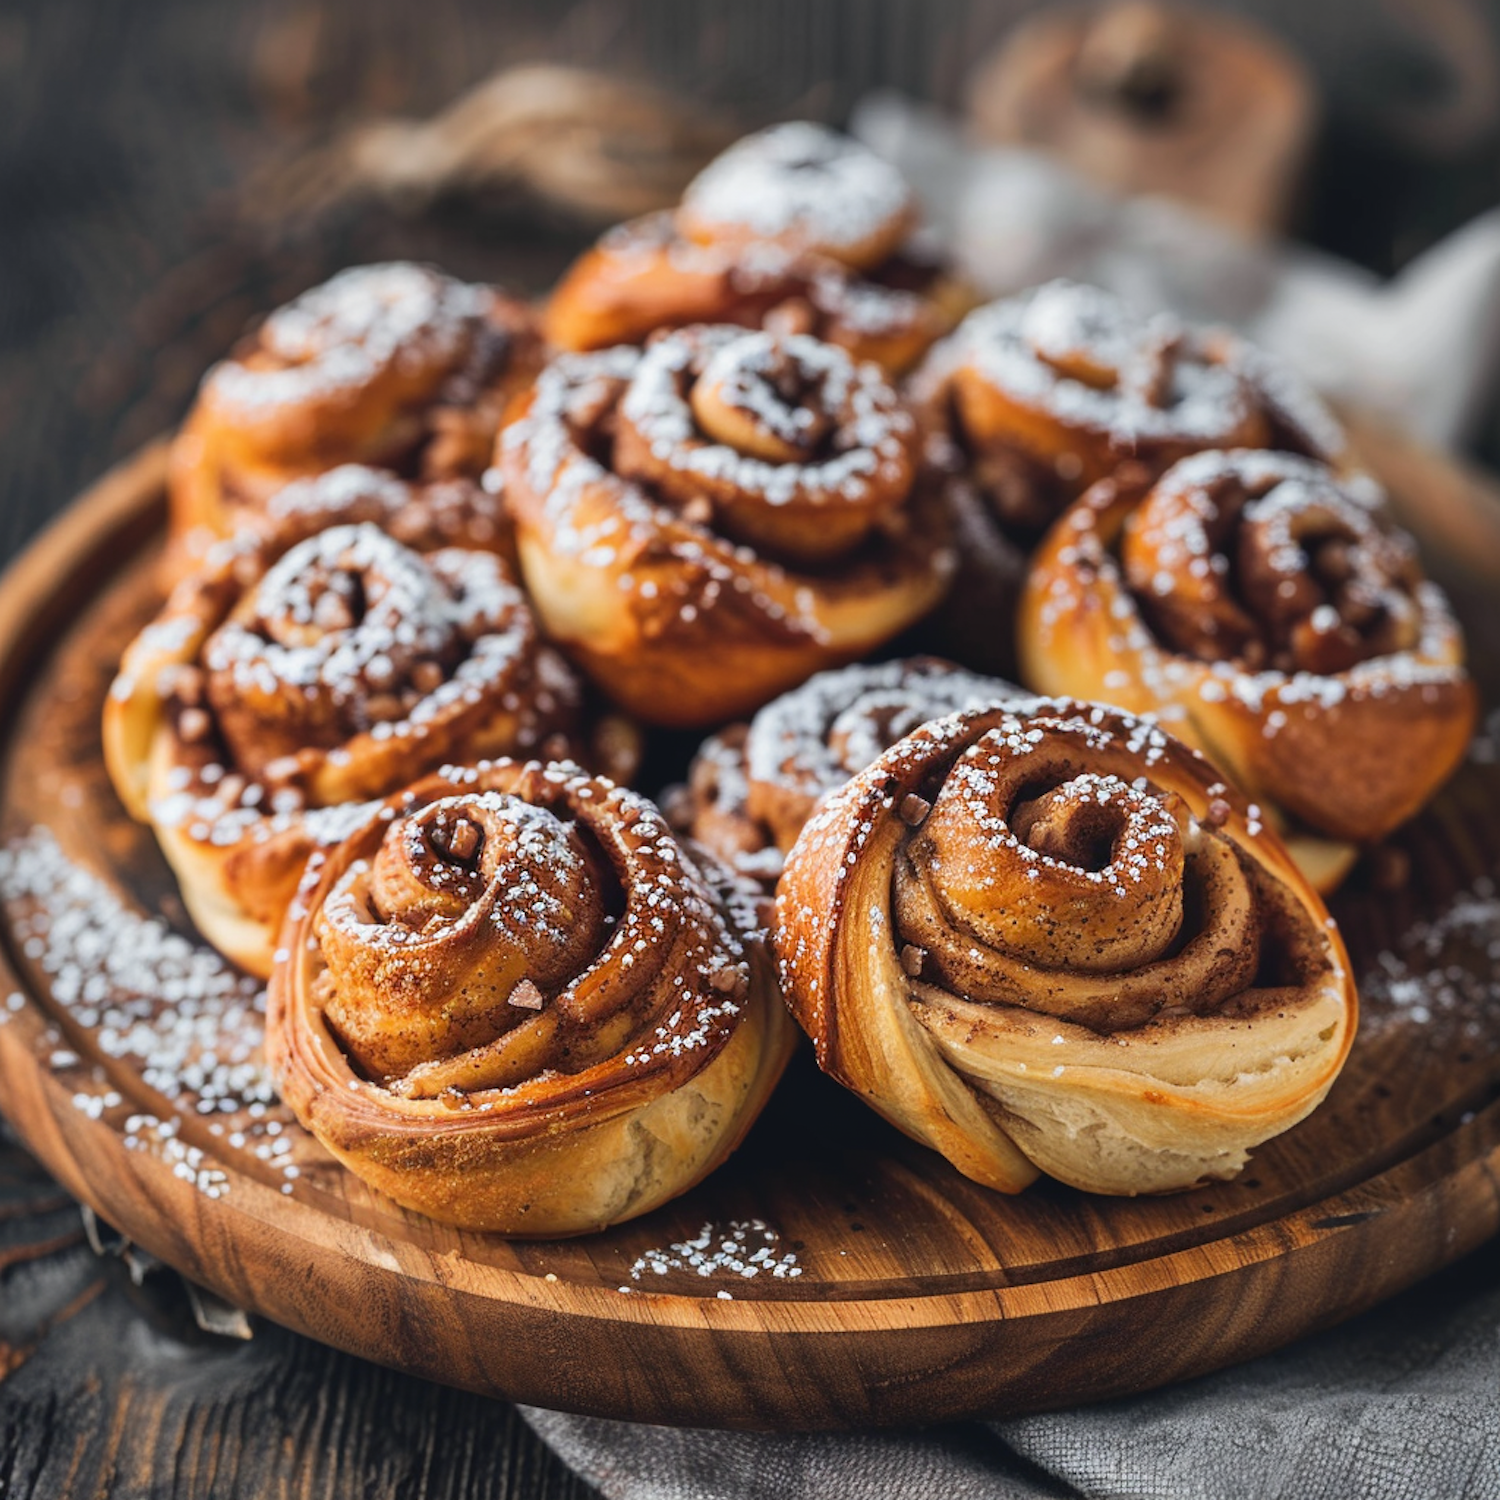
[[1443, 976], [167, 1008], [804, 181], [871, 427], [741, 1250]]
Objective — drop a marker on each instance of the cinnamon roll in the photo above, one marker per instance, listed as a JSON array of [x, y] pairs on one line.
[[512, 1000], [1036, 397], [705, 522], [797, 227], [1268, 612], [1045, 393], [1049, 938], [753, 786], [291, 679], [395, 366]]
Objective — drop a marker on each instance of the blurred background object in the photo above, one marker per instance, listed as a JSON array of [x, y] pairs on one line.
[[1421, 347], [1145, 97], [578, 140]]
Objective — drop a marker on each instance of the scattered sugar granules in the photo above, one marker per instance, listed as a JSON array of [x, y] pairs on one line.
[[745, 1248], [1444, 970], [177, 1014]]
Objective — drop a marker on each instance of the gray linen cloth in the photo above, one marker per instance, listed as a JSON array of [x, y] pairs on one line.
[[1402, 1403]]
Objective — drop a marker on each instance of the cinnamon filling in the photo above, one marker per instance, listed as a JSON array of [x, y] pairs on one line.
[[1265, 561], [472, 917], [783, 441], [1048, 880]]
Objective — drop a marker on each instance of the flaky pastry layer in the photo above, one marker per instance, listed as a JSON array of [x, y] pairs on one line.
[[1048, 939]]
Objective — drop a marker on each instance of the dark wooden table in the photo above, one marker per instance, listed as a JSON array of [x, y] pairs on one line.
[[131, 253]]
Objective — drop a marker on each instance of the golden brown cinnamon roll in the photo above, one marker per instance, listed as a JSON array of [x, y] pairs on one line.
[[797, 227], [753, 786], [1047, 392], [395, 366], [290, 679], [805, 186], [1268, 612], [514, 1001], [1036, 397], [705, 522], [1049, 938]]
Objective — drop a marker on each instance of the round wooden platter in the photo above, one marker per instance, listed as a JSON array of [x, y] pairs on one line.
[[888, 1288]]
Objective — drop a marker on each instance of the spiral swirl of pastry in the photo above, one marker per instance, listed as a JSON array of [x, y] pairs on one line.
[[753, 787], [1268, 560], [513, 1000], [707, 521], [1047, 392], [395, 366], [798, 450], [806, 187], [1057, 942], [643, 275], [1269, 612], [1070, 360], [350, 630], [288, 681]]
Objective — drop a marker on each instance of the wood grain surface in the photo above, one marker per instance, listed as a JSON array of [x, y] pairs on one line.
[[918, 1296]]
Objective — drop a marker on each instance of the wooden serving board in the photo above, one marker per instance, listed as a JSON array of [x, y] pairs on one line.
[[865, 1282]]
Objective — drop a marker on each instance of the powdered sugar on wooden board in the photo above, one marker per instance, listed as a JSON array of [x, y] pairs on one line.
[[742, 1250], [165, 1007], [1442, 976]]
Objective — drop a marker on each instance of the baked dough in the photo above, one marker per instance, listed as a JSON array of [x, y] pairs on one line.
[[1049, 938]]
